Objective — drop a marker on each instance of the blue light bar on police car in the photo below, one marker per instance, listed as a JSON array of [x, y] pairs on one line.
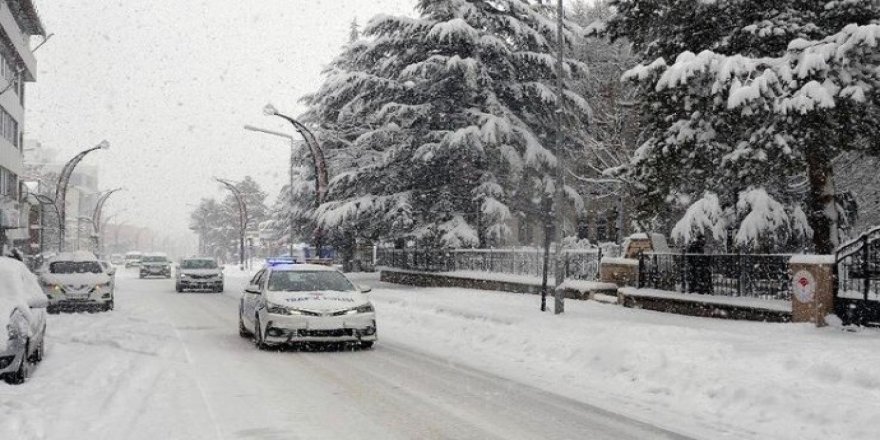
[[280, 260]]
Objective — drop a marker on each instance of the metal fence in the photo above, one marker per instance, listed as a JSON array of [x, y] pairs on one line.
[[582, 264], [737, 275], [857, 297]]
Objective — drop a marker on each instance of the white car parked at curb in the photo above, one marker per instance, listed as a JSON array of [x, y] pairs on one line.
[[22, 321], [288, 303]]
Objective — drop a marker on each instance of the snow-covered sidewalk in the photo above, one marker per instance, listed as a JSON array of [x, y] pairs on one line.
[[713, 378]]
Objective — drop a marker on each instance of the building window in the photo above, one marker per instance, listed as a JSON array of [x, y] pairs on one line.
[[8, 183], [12, 77], [9, 128]]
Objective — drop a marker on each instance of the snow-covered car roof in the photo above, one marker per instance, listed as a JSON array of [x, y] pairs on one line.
[[156, 254], [74, 256]]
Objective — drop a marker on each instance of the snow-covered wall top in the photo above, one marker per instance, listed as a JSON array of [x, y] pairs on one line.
[[812, 259]]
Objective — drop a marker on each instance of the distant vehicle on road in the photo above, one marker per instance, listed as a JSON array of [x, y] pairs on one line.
[[22, 320], [76, 280], [117, 259], [202, 273], [155, 265], [133, 259], [288, 303]]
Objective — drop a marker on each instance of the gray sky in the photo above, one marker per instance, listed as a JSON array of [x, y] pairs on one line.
[[170, 83]]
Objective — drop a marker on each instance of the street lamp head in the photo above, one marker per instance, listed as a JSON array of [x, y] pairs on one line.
[[270, 110], [104, 145]]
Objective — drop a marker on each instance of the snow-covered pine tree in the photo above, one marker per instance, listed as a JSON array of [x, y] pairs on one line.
[[449, 115], [762, 94], [207, 222]]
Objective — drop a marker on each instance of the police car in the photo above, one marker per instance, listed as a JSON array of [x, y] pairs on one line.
[[287, 303]]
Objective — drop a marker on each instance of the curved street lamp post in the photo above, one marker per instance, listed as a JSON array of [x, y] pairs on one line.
[[96, 217], [290, 174], [317, 154], [242, 215], [61, 189]]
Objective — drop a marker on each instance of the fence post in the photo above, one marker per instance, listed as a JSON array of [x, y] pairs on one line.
[[684, 271], [740, 272], [641, 277], [866, 279], [513, 262], [567, 271]]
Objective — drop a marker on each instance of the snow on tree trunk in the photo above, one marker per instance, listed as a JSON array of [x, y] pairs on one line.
[[822, 208]]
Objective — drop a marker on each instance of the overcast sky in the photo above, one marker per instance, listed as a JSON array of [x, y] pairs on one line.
[[170, 83]]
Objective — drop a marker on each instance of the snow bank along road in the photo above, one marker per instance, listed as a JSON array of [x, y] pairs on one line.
[[172, 366]]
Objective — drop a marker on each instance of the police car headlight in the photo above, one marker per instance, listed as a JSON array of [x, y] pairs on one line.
[[277, 309], [366, 308], [183, 275]]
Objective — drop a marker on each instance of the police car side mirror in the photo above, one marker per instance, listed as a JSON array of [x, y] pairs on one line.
[[253, 290], [365, 289]]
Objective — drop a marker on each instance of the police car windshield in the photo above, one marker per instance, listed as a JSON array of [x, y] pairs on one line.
[[198, 264], [306, 281]]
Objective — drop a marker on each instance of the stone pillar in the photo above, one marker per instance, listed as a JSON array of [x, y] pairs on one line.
[[812, 279], [620, 271]]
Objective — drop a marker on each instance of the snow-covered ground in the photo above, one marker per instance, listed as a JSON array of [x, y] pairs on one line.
[[450, 363], [712, 378], [172, 366]]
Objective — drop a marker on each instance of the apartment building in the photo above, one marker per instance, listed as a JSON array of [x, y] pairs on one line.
[[19, 21]]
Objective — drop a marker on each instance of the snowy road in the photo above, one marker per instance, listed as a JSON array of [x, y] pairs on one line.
[[172, 366]]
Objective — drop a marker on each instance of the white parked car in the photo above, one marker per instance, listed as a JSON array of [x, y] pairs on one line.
[[74, 280], [155, 265], [22, 320], [288, 303], [201, 273]]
